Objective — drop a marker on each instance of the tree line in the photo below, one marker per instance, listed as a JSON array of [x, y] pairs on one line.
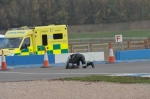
[[16, 13]]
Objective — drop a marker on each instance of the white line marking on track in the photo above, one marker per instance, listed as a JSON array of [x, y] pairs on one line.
[[52, 73], [114, 74]]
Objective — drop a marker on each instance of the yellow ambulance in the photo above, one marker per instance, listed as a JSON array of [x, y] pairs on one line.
[[33, 40]]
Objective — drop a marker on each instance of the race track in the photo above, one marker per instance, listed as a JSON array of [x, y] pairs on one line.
[[60, 71]]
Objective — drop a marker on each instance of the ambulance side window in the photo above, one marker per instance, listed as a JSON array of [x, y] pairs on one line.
[[44, 40], [58, 36], [26, 43]]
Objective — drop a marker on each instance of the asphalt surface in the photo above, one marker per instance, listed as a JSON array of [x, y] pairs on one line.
[[60, 71]]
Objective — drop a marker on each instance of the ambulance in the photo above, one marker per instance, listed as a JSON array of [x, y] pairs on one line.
[[33, 40]]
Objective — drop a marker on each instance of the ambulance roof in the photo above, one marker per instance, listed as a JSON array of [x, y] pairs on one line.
[[50, 26], [24, 31], [18, 33]]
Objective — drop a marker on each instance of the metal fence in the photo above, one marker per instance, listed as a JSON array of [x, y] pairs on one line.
[[103, 40], [102, 44]]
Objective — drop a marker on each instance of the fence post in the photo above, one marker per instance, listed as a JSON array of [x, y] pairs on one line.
[[146, 43], [91, 47], [88, 48], [129, 45], [72, 48], [110, 43]]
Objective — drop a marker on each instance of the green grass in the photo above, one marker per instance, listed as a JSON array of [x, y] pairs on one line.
[[133, 33], [115, 79]]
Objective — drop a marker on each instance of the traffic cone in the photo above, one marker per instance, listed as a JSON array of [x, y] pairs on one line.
[[111, 54], [46, 62], [3, 62]]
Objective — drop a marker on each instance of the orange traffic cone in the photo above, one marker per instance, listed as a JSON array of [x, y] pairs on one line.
[[111, 54], [46, 62], [3, 62]]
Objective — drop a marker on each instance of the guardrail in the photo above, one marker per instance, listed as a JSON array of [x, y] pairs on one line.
[[103, 40], [92, 47]]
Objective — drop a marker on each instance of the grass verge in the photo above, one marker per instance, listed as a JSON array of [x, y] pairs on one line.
[[129, 33], [115, 79]]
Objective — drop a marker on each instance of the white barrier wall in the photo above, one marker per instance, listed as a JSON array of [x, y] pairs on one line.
[[89, 56]]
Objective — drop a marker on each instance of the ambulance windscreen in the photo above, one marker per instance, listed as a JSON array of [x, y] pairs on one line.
[[11, 43]]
